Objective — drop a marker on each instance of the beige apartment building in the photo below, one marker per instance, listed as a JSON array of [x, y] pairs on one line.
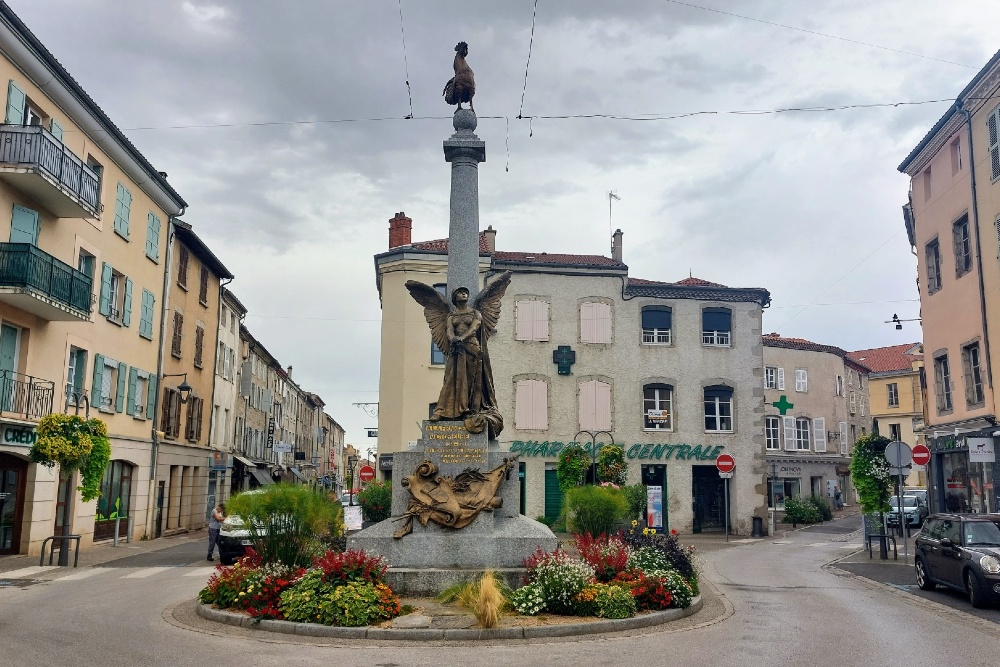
[[816, 407], [226, 400], [897, 400], [332, 469], [952, 219], [672, 371], [81, 280]]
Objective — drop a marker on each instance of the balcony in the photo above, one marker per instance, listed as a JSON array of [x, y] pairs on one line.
[[25, 397], [37, 163], [37, 282]]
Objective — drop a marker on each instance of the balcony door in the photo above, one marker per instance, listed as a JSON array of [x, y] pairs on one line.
[[9, 338], [24, 226]]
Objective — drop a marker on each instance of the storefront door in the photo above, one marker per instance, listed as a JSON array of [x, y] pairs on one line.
[[13, 474], [708, 491]]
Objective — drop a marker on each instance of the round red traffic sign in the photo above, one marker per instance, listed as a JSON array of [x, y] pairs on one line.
[[366, 473], [725, 463], [921, 455]]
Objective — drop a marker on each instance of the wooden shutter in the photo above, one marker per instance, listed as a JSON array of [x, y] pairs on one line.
[[182, 267], [991, 127], [175, 347], [146, 315], [843, 437], [199, 346], [133, 381], [123, 205], [105, 304], [970, 390], [588, 323], [602, 321], [152, 236], [16, 101], [789, 428], [96, 389], [540, 403], [522, 403], [801, 380], [852, 403], [165, 424], [603, 412], [819, 433], [127, 306], [523, 315], [189, 421], [203, 287], [540, 321], [588, 405], [150, 397], [781, 378], [24, 226]]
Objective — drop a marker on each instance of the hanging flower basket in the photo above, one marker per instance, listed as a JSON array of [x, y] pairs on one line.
[[74, 443]]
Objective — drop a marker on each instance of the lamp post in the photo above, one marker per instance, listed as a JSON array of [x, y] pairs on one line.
[[593, 449], [352, 463], [774, 502]]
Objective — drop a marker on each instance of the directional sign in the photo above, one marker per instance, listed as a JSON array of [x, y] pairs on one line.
[[725, 463], [366, 474], [282, 448], [898, 454], [921, 455]]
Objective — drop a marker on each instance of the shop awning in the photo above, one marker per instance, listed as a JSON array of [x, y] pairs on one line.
[[295, 471], [247, 462], [261, 476]]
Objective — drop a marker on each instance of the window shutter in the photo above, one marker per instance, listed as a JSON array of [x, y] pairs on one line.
[[146, 315], [127, 308], [602, 413], [843, 437], [819, 433], [95, 392], [15, 104], [588, 323], [56, 130], [991, 127], [151, 397], [120, 398], [540, 404], [153, 236], [970, 393], [133, 380], [588, 405], [781, 378], [805, 380], [523, 313], [24, 226], [189, 421], [540, 321], [522, 404], [105, 306], [165, 412], [602, 319], [852, 403], [123, 205], [789, 423]]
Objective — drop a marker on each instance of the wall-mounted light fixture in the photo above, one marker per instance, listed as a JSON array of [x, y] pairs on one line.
[[899, 323], [183, 388]]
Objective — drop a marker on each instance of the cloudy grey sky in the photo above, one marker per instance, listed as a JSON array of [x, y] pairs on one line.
[[235, 98]]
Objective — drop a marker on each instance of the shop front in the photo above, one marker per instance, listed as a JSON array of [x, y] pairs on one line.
[[962, 473], [804, 476]]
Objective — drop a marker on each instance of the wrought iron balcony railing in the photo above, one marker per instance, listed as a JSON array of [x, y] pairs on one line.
[[34, 147], [25, 396], [24, 265]]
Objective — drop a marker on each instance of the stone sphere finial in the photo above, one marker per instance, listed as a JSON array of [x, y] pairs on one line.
[[465, 119]]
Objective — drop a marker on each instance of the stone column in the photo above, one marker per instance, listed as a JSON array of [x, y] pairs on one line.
[[464, 150]]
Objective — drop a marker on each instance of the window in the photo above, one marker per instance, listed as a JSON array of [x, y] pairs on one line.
[[170, 413], [85, 263], [719, 409], [803, 428], [852, 403], [123, 206], [801, 380], [182, 266], [108, 390], [199, 346], [656, 325], [437, 356], [222, 361], [141, 391], [146, 315], [203, 286], [531, 405], [20, 110], [819, 434], [933, 254], [942, 383], [895, 432], [991, 129], [839, 385], [927, 183], [24, 225], [116, 296], [716, 327], [595, 323], [531, 320], [175, 346], [193, 425], [595, 406], [963, 249], [774, 377], [657, 407], [956, 156], [892, 389], [772, 428], [843, 438], [973, 372], [153, 236], [76, 370], [782, 488], [116, 492]]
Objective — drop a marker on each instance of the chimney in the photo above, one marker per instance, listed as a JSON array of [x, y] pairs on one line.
[[490, 235], [289, 371], [616, 245], [399, 230]]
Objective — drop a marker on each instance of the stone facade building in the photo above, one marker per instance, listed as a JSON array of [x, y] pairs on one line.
[[816, 407], [671, 371]]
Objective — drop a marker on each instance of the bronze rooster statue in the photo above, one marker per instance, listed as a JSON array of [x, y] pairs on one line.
[[461, 87]]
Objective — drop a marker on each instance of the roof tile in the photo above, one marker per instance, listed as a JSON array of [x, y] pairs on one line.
[[888, 359]]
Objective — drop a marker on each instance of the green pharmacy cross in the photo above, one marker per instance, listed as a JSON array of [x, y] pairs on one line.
[[564, 357], [783, 405]]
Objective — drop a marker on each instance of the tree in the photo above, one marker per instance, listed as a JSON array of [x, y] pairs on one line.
[[870, 473]]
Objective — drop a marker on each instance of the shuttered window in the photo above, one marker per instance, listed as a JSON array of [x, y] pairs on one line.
[[170, 413], [16, 104], [203, 286], [843, 437], [175, 346], [123, 208], [24, 225], [932, 255], [595, 406], [595, 323], [531, 405], [146, 314], [531, 320], [182, 266], [153, 236], [788, 426], [199, 346], [819, 433], [802, 433], [991, 130], [194, 416], [772, 432], [801, 380]]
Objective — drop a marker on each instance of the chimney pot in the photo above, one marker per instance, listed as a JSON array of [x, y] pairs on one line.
[[400, 228], [616, 245], [490, 238]]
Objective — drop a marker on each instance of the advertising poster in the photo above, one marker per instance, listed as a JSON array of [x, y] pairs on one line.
[[352, 517], [654, 507]]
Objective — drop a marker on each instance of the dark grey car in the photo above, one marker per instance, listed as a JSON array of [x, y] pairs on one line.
[[960, 551]]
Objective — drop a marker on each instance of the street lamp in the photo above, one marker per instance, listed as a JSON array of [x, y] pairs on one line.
[[593, 449], [899, 323], [352, 463], [184, 388]]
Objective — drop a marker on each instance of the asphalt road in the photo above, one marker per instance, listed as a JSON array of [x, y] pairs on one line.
[[778, 606]]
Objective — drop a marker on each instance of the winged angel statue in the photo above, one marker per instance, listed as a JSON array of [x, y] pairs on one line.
[[461, 332]]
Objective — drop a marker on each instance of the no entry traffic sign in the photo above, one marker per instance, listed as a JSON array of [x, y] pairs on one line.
[[366, 474], [725, 463], [921, 455]]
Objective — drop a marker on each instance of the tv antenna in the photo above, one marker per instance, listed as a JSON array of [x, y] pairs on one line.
[[612, 195]]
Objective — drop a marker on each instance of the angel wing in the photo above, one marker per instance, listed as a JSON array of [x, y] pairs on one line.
[[436, 311], [488, 302]]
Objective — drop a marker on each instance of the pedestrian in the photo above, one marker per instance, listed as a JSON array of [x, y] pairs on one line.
[[214, 525], [836, 498]]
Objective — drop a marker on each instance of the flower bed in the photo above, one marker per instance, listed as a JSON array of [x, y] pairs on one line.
[[344, 589]]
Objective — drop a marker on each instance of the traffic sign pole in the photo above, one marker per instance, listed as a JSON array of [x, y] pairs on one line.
[[726, 465]]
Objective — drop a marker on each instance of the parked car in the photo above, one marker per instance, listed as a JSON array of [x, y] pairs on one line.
[[345, 499], [914, 511], [960, 551], [234, 537], [919, 493]]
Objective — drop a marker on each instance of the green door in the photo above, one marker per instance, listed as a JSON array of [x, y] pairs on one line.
[[8, 360], [553, 495], [24, 226]]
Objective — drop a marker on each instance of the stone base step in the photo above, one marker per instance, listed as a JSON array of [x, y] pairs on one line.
[[429, 582]]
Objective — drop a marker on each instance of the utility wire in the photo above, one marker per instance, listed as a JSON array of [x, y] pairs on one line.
[[820, 34], [531, 43], [406, 65]]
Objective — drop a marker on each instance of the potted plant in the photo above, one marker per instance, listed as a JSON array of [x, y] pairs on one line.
[[376, 502]]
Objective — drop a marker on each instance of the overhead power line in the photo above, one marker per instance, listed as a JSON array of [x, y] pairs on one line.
[[531, 43], [406, 65]]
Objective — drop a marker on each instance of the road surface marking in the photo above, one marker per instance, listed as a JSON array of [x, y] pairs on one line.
[[818, 544], [148, 572], [27, 572], [201, 572], [83, 574]]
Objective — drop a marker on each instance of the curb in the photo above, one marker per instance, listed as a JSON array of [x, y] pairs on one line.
[[210, 613]]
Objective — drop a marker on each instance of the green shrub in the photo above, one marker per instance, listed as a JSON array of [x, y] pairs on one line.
[[286, 521], [648, 559], [594, 509], [822, 506], [313, 600], [635, 500], [605, 601], [376, 501], [611, 466], [572, 467], [559, 577], [681, 591], [799, 511], [870, 473], [679, 557], [528, 600]]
